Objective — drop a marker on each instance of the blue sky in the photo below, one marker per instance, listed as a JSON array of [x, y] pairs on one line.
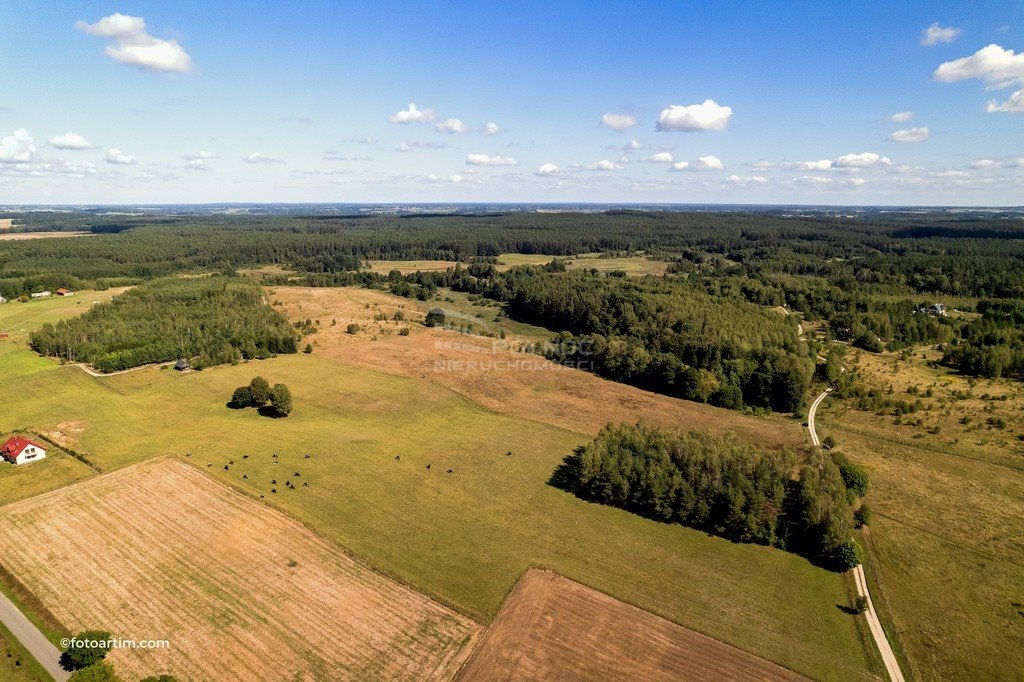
[[156, 102]]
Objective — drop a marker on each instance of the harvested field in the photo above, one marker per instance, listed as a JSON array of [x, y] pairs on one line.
[[6, 223], [552, 628], [161, 551], [490, 372]]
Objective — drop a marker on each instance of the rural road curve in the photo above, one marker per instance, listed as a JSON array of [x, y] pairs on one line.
[[892, 666], [32, 639]]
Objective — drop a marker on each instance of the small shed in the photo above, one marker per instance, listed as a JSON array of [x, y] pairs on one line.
[[182, 365]]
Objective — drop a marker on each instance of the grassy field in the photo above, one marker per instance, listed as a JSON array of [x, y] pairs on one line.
[[463, 537], [21, 236], [16, 664], [631, 265], [946, 535]]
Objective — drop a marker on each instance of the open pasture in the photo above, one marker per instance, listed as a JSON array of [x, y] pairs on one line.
[[22, 236], [240, 591]]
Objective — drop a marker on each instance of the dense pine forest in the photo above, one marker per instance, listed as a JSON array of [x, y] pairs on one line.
[[209, 321], [701, 332]]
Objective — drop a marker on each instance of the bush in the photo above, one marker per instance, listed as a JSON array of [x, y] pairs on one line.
[[848, 555], [862, 516], [828, 442], [435, 318], [352, 329], [242, 397], [86, 648], [861, 604], [97, 672], [855, 477], [404, 331], [308, 349]]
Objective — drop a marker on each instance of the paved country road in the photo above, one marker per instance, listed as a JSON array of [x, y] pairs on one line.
[[892, 666], [32, 639]]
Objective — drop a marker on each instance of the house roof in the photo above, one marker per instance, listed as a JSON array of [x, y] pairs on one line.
[[14, 445]]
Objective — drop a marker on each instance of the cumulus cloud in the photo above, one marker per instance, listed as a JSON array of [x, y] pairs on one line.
[[547, 170], [491, 128], [749, 181], [901, 116], [416, 144], [332, 155], [412, 115], [130, 44], [119, 158], [987, 164], [1015, 104], [695, 117], [70, 141], [660, 157], [18, 147], [999, 68], [256, 157], [444, 179], [935, 34], [618, 122], [634, 145], [911, 135], [197, 165], [201, 155], [862, 160], [486, 160], [704, 163], [602, 165], [451, 125]]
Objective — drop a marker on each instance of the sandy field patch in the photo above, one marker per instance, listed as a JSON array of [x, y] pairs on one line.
[[21, 236], [552, 628], [161, 551]]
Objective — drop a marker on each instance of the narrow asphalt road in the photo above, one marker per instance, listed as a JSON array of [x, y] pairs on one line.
[[32, 639], [892, 666]]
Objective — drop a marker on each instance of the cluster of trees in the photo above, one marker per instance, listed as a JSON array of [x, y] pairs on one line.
[[209, 321], [273, 401], [719, 485], [991, 346]]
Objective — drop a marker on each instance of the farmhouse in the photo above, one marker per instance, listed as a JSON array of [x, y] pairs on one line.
[[182, 365], [18, 450], [65, 292]]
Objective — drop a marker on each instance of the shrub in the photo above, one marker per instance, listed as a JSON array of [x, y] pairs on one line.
[[404, 331], [242, 397], [855, 477], [97, 672], [862, 516], [435, 318], [828, 442], [308, 349], [352, 328], [861, 604], [848, 555]]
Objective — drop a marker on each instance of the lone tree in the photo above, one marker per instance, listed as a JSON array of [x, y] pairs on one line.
[[260, 390], [97, 672], [242, 397], [86, 648], [435, 318], [281, 400]]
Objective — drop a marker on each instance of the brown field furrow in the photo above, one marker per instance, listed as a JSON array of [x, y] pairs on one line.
[[161, 551], [553, 628]]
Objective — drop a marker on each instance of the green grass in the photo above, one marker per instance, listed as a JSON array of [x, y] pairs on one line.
[[463, 538], [16, 663]]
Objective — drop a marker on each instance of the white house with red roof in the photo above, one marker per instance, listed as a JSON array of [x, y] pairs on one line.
[[18, 450]]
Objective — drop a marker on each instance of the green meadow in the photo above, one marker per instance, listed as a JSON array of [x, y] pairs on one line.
[[462, 531]]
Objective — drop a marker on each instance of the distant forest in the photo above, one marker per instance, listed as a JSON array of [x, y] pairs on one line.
[[700, 332]]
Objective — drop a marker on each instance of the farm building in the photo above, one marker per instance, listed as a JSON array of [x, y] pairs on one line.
[[181, 365], [65, 292], [41, 294], [18, 450]]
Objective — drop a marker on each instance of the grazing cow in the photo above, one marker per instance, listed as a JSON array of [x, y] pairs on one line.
[[305, 485], [273, 490], [245, 456], [307, 456], [225, 467], [245, 476], [209, 465], [450, 471], [398, 457], [428, 467], [297, 474], [508, 454]]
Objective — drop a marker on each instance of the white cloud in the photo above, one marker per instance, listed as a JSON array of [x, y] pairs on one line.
[[602, 165], [863, 160], [901, 116], [704, 163], [1015, 104], [911, 135], [197, 165], [412, 115], [999, 68], [706, 116], [332, 155], [451, 125], [201, 155], [814, 180], [256, 157], [131, 44], [363, 139], [660, 157], [485, 160], [987, 164], [70, 140], [117, 157], [618, 122], [750, 181], [491, 128], [416, 144], [453, 179], [819, 165], [857, 182], [634, 145], [547, 170], [935, 34], [18, 147]]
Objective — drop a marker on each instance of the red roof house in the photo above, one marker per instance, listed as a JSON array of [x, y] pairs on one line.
[[18, 450]]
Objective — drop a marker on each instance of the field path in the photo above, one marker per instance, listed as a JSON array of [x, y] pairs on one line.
[[32, 639], [892, 667]]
